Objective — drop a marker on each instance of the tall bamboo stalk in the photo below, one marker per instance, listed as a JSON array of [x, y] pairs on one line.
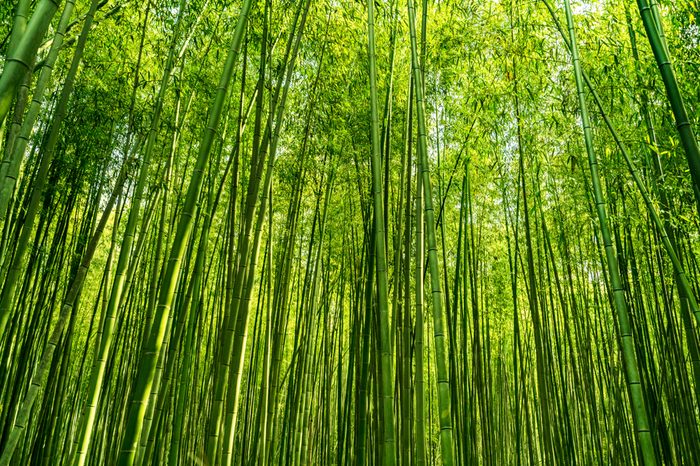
[[636, 395]]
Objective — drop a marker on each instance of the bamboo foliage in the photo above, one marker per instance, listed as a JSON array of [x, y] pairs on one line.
[[349, 233]]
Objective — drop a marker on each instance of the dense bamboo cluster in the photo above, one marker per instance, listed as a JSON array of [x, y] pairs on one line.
[[338, 232]]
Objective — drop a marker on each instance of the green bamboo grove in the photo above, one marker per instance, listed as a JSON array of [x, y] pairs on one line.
[[349, 232]]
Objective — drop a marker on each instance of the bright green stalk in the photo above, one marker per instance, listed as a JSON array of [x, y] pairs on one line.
[[663, 61], [19, 26], [147, 366], [419, 259], [404, 258], [637, 402], [235, 260], [444, 396], [260, 433], [18, 62], [44, 366], [386, 373], [243, 301], [10, 166], [195, 288], [100, 363], [48, 148], [183, 388], [243, 288]]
